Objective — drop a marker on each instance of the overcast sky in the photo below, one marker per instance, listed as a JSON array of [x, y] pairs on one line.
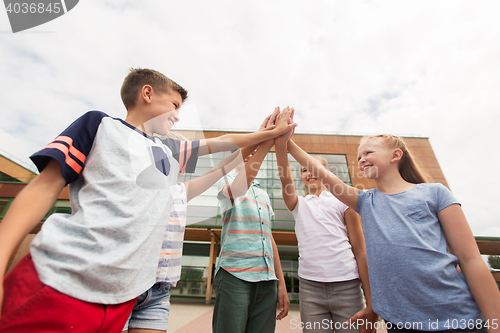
[[422, 68]]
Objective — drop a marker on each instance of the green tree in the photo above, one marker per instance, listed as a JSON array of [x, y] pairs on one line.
[[494, 261]]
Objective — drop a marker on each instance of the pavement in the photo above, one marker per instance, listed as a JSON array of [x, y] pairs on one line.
[[195, 316]]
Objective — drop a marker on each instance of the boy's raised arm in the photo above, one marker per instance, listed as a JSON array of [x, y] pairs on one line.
[[197, 186], [39, 195], [267, 124], [234, 141]]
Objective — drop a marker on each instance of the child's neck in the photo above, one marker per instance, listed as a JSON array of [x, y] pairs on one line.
[[393, 185], [315, 191], [136, 118]]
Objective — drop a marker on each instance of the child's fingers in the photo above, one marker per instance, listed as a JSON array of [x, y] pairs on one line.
[[284, 114], [273, 116], [266, 120], [280, 316], [264, 123]]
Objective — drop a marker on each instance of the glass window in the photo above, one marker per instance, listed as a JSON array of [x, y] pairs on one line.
[[205, 208], [4, 205], [61, 206], [8, 179]]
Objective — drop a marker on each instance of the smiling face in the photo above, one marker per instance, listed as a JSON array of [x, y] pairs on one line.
[[373, 158], [312, 183], [164, 112]]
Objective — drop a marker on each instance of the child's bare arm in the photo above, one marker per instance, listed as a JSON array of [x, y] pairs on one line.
[[267, 124], [357, 240], [480, 281], [197, 186], [345, 193], [283, 301], [245, 177], [285, 173], [39, 195], [234, 141]]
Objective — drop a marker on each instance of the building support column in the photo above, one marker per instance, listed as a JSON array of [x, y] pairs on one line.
[[214, 241]]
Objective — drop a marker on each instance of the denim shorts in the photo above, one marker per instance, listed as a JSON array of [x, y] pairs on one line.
[[151, 309]]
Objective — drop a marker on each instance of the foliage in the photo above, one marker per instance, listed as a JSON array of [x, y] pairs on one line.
[[494, 261]]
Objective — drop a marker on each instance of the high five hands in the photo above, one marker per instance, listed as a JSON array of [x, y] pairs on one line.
[[283, 139], [282, 120]]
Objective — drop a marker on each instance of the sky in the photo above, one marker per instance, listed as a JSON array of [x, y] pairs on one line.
[[411, 68]]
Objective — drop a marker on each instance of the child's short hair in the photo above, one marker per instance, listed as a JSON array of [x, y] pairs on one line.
[[138, 77]]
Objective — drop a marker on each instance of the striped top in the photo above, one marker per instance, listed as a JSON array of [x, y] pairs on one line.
[[169, 264], [246, 239]]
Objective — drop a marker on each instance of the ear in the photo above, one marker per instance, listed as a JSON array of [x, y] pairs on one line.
[[396, 155], [146, 93]]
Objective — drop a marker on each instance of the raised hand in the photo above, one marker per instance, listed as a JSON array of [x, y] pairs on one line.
[[284, 121], [282, 140], [268, 123]]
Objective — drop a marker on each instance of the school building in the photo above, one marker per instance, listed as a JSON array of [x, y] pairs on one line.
[[202, 237]]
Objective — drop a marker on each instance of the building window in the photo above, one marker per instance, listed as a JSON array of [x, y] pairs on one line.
[[204, 211], [5, 178], [4, 206], [60, 207], [194, 273]]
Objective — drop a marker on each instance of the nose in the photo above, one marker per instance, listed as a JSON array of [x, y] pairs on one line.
[[176, 116], [360, 162]]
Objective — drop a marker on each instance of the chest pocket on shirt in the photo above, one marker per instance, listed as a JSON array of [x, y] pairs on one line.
[[161, 160], [419, 212], [153, 177]]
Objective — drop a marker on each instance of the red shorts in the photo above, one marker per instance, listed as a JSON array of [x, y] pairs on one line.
[[30, 306]]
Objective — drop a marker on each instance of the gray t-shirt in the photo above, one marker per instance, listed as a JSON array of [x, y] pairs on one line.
[[106, 251], [413, 277]]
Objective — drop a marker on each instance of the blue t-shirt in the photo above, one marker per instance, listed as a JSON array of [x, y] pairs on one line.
[[413, 277], [106, 251]]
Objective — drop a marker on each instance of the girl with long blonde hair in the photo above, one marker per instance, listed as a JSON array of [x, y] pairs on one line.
[[332, 255], [408, 225]]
